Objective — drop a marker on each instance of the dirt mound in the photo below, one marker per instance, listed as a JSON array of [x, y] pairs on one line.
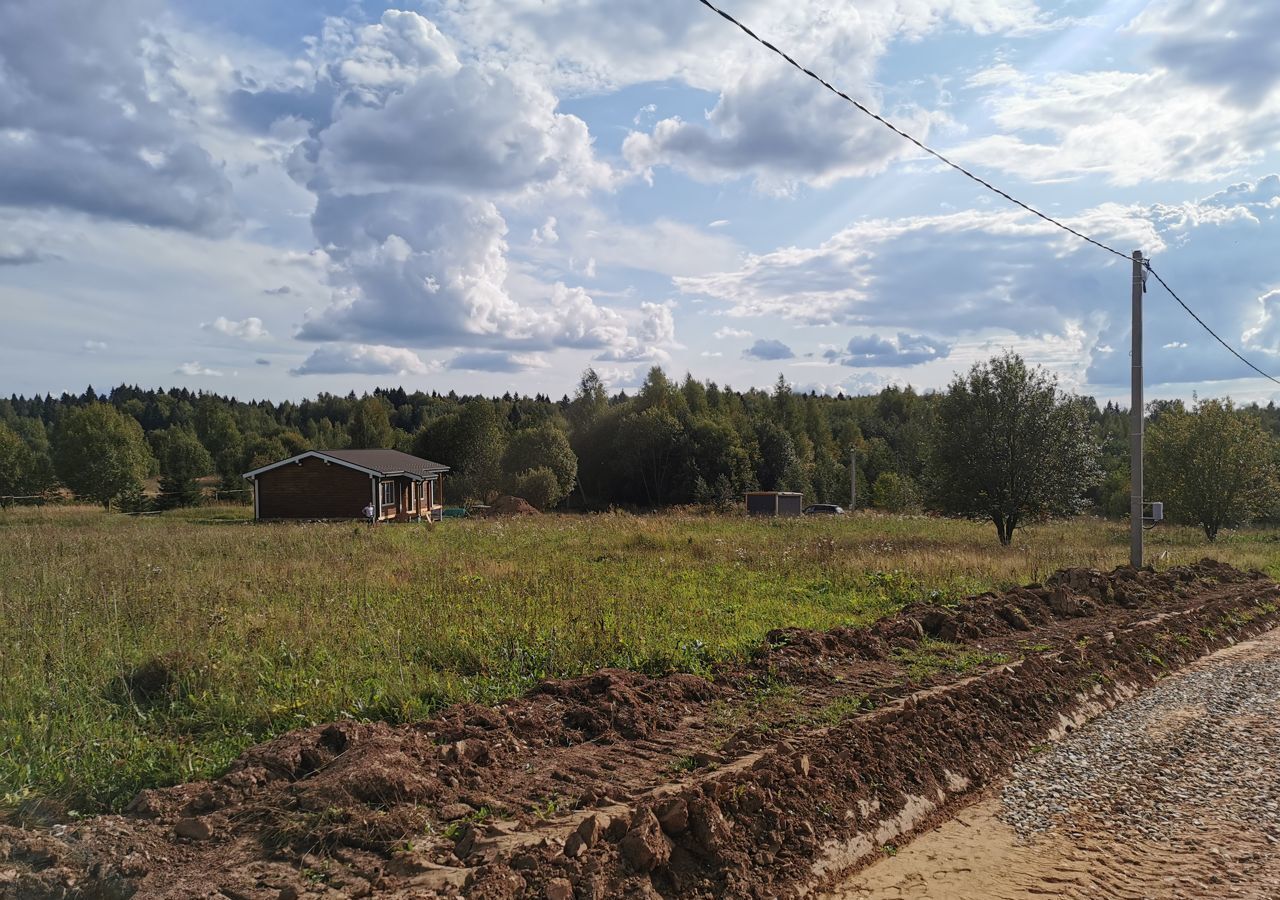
[[511, 506], [767, 779]]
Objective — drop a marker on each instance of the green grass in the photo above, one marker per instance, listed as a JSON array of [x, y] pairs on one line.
[[842, 708], [933, 657], [263, 628]]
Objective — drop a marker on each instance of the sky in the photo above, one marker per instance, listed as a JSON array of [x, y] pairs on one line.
[[274, 199]]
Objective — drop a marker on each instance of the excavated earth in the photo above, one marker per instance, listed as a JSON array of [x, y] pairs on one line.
[[774, 778]]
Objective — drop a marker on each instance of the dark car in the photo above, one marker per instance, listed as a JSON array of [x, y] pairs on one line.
[[823, 509]]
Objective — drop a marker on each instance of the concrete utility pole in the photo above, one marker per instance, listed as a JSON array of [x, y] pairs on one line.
[[1136, 418], [853, 479]]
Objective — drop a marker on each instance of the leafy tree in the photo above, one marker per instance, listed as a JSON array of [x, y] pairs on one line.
[[695, 396], [16, 463], [785, 406], [1213, 466], [324, 435], [645, 444], [589, 403], [1010, 446], [183, 460], [538, 486], [1112, 495], [542, 447], [471, 442], [599, 480], [895, 493], [370, 426], [261, 450], [779, 468], [29, 465], [830, 477], [294, 443], [716, 466], [874, 458], [721, 493], [217, 430], [657, 391], [42, 478], [100, 453]]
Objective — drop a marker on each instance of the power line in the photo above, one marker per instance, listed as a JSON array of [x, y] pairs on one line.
[[898, 131], [1191, 313], [970, 175]]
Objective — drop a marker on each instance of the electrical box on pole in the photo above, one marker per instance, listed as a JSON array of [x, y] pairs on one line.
[[1136, 416]]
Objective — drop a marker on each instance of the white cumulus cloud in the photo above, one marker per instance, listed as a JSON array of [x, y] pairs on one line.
[[362, 359], [250, 329], [195, 369], [87, 118], [413, 154]]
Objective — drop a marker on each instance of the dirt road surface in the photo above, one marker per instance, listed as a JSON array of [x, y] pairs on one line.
[[1173, 794]]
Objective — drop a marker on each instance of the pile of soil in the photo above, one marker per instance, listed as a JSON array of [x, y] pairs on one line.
[[511, 506], [770, 779]]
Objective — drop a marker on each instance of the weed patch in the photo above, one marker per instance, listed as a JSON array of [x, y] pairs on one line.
[[932, 657]]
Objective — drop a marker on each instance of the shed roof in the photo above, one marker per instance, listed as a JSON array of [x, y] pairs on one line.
[[373, 461]]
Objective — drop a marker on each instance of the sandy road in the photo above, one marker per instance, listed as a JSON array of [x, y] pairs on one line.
[[1174, 794]]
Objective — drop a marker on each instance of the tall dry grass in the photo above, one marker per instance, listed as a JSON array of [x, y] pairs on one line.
[[140, 652]]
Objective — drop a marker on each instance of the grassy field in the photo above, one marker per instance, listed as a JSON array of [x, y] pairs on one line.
[[251, 630]]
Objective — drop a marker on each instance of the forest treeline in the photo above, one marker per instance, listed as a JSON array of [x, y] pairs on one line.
[[671, 442]]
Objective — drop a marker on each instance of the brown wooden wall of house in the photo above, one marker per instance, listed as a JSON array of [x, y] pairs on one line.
[[403, 499], [313, 489]]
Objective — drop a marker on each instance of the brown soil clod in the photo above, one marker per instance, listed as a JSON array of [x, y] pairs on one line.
[[618, 784]]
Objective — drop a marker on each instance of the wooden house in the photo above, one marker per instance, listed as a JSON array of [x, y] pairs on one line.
[[339, 484]]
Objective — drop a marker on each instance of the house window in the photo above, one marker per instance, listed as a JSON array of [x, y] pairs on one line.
[[388, 493], [413, 493]]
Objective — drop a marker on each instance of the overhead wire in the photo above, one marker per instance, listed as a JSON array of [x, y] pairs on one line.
[[1203, 325], [898, 131], [976, 178]]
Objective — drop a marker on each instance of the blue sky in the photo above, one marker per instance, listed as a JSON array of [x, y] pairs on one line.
[[277, 199]]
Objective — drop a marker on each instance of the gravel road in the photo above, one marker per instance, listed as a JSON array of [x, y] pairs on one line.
[[1175, 793]]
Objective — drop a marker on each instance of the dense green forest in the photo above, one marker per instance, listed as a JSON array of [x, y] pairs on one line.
[[669, 443]]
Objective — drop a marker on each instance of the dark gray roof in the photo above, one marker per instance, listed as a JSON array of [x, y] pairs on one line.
[[387, 462]]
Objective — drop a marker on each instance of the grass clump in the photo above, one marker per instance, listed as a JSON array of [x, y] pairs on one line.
[[933, 657], [842, 708]]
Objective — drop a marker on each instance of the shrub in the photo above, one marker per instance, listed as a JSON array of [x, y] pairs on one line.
[[133, 500], [539, 486], [895, 493]]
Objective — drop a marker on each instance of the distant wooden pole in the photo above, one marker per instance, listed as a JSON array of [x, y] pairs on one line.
[[853, 479], [1136, 419]]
